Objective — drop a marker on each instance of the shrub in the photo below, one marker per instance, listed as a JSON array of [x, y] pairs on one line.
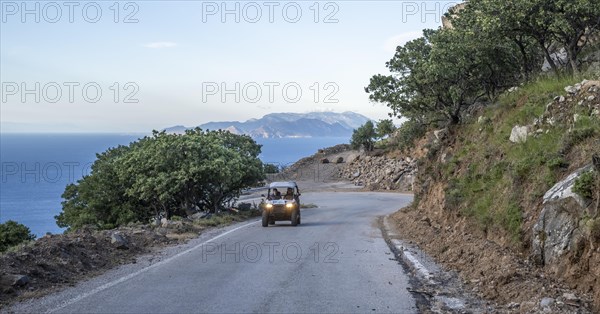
[[408, 133], [271, 168], [584, 184], [557, 162], [13, 233], [575, 137]]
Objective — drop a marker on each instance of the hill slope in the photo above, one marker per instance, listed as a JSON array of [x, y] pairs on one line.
[[496, 192]]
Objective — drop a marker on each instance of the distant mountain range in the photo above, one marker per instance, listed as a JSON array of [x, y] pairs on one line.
[[282, 125]]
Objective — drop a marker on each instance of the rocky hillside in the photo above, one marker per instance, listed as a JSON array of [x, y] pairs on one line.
[[502, 195]]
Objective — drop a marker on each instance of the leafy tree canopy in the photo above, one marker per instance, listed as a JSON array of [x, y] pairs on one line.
[[163, 175]]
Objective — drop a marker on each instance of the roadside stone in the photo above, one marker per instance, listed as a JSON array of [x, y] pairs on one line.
[[570, 297], [513, 305], [546, 302], [14, 280], [118, 241], [591, 98]]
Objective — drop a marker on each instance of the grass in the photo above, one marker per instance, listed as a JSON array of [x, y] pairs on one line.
[[224, 219]]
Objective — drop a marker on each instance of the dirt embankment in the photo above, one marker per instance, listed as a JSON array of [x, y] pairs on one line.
[[474, 236]]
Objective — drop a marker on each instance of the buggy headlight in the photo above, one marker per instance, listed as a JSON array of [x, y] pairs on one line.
[[289, 205], [269, 205]]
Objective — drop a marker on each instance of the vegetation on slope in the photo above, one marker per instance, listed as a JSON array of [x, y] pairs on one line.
[[498, 182]]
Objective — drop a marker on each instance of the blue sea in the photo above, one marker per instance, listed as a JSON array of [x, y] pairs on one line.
[[35, 168]]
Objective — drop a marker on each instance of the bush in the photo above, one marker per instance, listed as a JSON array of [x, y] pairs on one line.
[[271, 168], [575, 137], [13, 233], [584, 185], [408, 133]]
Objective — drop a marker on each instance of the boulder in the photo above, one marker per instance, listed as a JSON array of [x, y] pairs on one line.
[[556, 230], [118, 241], [572, 89], [14, 280], [483, 120], [546, 302], [519, 134], [244, 206], [563, 189]]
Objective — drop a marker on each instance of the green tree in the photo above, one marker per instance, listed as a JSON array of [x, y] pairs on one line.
[[385, 127], [551, 24], [438, 76], [162, 175], [13, 233], [364, 137], [494, 21], [98, 199]]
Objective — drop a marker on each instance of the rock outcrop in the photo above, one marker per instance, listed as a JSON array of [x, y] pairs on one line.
[[557, 229]]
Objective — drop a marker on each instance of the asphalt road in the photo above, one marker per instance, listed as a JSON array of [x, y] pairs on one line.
[[335, 261]]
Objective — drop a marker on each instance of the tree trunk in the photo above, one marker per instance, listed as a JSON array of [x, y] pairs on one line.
[[526, 65], [550, 60]]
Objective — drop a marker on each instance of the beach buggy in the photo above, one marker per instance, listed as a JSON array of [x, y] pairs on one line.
[[282, 202]]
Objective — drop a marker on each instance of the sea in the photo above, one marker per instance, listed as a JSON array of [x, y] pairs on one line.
[[35, 168]]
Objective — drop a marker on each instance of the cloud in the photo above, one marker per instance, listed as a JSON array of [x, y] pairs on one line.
[[160, 45], [395, 41]]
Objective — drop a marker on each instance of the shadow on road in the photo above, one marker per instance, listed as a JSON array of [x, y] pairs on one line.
[[310, 224]]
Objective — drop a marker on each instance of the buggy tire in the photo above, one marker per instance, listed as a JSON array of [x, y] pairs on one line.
[[265, 218], [295, 218]]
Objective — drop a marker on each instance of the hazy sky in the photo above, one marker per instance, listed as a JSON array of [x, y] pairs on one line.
[[105, 66]]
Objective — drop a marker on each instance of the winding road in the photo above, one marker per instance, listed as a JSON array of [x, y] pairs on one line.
[[336, 261]]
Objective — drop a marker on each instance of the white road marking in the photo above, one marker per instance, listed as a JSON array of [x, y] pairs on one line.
[[143, 270]]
